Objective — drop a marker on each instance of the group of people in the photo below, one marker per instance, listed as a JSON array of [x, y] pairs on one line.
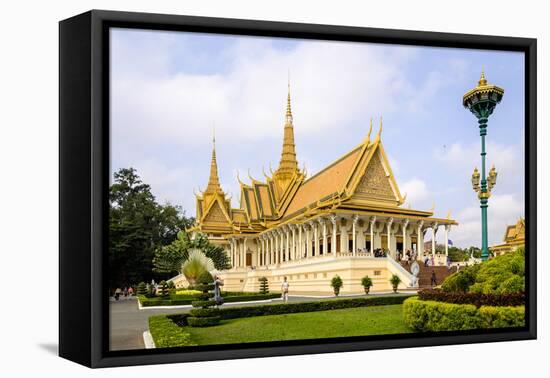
[[380, 252], [408, 256], [127, 292]]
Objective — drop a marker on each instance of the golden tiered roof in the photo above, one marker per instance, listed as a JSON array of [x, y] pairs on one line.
[[514, 236], [360, 180]]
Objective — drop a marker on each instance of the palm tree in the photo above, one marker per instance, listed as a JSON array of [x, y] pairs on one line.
[[196, 264]]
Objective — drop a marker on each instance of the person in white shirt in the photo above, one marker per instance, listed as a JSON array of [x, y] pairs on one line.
[[284, 289]]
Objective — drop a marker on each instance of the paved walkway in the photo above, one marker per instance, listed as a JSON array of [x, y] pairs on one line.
[[128, 322]]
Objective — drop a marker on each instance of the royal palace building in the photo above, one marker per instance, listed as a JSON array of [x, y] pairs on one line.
[[312, 228]]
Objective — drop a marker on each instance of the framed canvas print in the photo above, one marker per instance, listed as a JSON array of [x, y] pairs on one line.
[[235, 188]]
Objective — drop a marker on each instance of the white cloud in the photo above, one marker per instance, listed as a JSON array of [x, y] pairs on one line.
[[417, 193], [508, 161], [332, 83], [504, 209]]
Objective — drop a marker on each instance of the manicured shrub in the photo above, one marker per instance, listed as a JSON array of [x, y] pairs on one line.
[[502, 275], [141, 288], [435, 316], [502, 317], [461, 280], [477, 299], [163, 290], [207, 316], [395, 281], [187, 292], [171, 285], [264, 285], [366, 282], [203, 322], [336, 283], [323, 305], [167, 333]]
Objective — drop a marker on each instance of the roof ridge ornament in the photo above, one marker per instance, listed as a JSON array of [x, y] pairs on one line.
[[379, 135], [367, 139], [482, 80]]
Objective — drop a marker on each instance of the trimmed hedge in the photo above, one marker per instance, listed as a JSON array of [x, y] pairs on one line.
[[426, 315], [477, 299], [187, 300], [290, 308], [207, 321], [167, 334]]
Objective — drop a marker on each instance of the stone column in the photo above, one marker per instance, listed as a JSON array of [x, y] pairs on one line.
[[447, 229], [282, 249], [244, 252], [287, 232], [325, 239], [333, 241], [434, 231], [276, 250], [293, 228], [344, 244], [354, 234], [300, 243], [420, 240], [270, 247], [315, 232], [372, 224], [405, 225], [308, 241], [389, 224]]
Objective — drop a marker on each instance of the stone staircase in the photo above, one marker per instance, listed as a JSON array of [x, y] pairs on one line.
[[425, 274]]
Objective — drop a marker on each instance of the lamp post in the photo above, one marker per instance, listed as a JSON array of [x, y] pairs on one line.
[[481, 101]]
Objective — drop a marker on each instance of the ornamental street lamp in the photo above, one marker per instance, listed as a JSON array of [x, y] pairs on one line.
[[481, 101]]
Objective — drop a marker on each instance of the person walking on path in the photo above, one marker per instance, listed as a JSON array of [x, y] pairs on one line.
[[433, 278], [117, 293], [218, 283], [284, 289]]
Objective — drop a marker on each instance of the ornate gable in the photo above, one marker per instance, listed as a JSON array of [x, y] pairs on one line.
[[215, 215], [375, 182], [373, 179]]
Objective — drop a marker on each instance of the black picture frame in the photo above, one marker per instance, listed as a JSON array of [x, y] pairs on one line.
[[84, 178]]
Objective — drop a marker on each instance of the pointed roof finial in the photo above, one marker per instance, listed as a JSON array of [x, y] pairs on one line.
[[214, 181], [288, 106], [367, 139], [379, 135], [482, 80], [214, 135], [288, 164]]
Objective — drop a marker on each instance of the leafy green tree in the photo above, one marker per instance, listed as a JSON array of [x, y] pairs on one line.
[[138, 225]]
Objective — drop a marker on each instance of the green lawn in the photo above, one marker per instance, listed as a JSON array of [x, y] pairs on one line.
[[375, 320]]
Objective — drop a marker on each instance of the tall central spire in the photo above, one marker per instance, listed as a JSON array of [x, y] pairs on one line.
[[214, 181], [288, 164]]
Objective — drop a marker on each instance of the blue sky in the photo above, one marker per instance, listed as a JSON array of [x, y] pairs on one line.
[[170, 89]]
